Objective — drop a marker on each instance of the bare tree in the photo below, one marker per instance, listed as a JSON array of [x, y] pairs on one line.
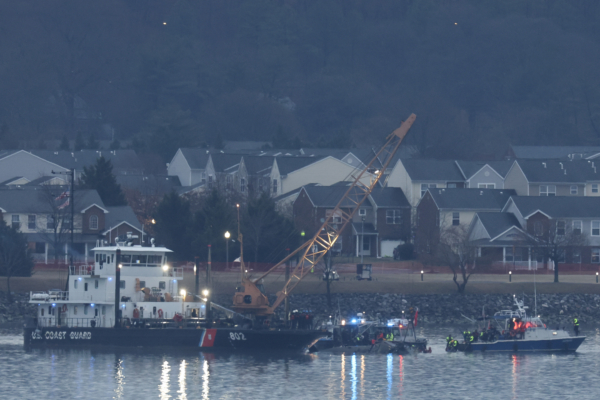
[[554, 239], [15, 257], [55, 225], [457, 252]]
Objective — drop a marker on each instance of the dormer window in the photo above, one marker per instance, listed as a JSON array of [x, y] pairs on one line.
[[547, 190], [93, 222]]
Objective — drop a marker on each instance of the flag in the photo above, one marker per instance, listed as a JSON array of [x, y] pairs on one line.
[[66, 203], [63, 195], [416, 315]]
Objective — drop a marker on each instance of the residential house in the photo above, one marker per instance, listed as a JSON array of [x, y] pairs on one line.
[[553, 152], [227, 171], [124, 162], [553, 178], [26, 166], [258, 169], [484, 174], [380, 224], [443, 208], [416, 176], [189, 165]]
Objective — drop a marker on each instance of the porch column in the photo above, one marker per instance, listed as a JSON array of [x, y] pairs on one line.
[[377, 243], [504, 254], [86, 252], [357, 245], [66, 254], [46, 253], [529, 256]]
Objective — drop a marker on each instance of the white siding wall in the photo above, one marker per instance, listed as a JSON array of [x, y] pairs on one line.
[[486, 176], [180, 168]]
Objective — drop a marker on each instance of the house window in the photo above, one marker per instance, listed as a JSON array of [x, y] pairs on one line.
[[561, 256], [547, 190], [122, 284], [337, 246], [366, 243], [162, 285], [362, 212], [229, 181], [577, 256], [93, 222], [560, 227], [451, 186], [455, 218], [486, 185], [596, 256], [512, 254], [210, 181], [335, 218], [595, 228], [574, 189], [50, 222], [392, 217], [577, 227], [594, 188], [31, 222], [260, 185], [425, 186], [274, 186], [15, 222], [204, 177], [538, 228], [242, 185]]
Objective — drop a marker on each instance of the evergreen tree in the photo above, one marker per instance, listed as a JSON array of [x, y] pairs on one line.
[[173, 225], [100, 177], [215, 217], [93, 143], [64, 144], [15, 257], [79, 143]]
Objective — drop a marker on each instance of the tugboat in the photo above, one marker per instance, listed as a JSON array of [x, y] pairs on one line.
[[396, 336], [130, 297], [517, 333]]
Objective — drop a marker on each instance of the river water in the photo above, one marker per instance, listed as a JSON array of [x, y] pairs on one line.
[[144, 374]]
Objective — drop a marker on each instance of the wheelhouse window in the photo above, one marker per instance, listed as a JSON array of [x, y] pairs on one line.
[[547, 190], [574, 189], [425, 186], [94, 222], [31, 222], [455, 218], [393, 217], [595, 228], [560, 227], [122, 284]]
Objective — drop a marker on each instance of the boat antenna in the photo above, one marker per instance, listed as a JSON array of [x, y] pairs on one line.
[[240, 239], [535, 291]]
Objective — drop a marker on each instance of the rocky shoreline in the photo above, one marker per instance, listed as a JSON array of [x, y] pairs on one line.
[[434, 309], [447, 309]]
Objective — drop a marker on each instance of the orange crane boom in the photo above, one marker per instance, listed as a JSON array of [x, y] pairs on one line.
[[249, 298]]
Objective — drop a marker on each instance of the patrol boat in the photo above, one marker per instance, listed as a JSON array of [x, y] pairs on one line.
[[130, 296], [519, 333]]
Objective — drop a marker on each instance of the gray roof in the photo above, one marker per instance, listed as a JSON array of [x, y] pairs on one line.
[[553, 152], [122, 160], [559, 206], [470, 168], [149, 184], [433, 170], [236, 145], [34, 199], [496, 223], [196, 158], [555, 171], [329, 196], [223, 161], [291, 164], [258, 164], [6, 182], [389, 197], [117, 215], [471, 199]]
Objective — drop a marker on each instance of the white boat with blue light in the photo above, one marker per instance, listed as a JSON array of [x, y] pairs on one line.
[[519, 333]]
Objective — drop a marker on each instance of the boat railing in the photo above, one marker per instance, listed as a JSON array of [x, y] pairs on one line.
[[175, 272], [49, 296], [46, 322], [81, 270]]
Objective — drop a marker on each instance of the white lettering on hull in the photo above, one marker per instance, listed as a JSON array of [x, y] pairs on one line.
[[62, 335]]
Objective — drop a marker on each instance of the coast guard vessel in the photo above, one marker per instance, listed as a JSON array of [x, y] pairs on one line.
[[519, 333], [130, 297]]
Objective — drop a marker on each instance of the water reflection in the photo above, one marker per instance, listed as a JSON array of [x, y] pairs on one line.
[[164, 381], [119, 378], [390, 370], [205, 375], [401, 375], [362, 376], [181, 391], [515, 375], [343, 377], [353, 379]]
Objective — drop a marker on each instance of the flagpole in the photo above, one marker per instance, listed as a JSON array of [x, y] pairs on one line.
[[72, 198]]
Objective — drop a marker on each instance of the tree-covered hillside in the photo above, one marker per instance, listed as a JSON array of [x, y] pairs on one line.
[[169, 73]]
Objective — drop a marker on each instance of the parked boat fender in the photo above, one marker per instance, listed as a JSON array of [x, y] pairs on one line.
[[136, 313], [160, 313]]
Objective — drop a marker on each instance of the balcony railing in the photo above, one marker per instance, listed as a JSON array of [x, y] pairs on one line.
[[518, 265], [72, 322], [175, 272], [81, 270], [50, 296]]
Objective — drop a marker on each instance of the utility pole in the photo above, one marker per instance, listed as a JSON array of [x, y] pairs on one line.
[[118, 289], [197, 275], [208, 285], [287, 278], [71, 199], [328, 276]]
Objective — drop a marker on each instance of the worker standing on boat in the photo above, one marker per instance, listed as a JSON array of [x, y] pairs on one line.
[[576, 326]]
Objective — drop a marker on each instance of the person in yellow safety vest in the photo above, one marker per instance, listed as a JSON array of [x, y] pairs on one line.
[[471, 338], [389, 336], [576, 326]]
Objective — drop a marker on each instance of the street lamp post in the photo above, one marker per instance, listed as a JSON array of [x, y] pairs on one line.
[[362, 240], [227, 236]]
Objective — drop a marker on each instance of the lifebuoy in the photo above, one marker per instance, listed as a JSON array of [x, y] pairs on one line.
[[64, 308], [136, 313], [160, 313]]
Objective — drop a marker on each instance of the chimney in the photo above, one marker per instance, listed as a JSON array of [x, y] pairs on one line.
[[544, 164], [481, 193], [561, 165], [565, 171]]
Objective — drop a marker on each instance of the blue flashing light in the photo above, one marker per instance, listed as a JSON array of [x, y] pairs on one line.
[[79, 278], [123, 306], [110, 279], [53, 304], [353, 321], [92, 304], [390, 324], [174, 280], [202, 306]]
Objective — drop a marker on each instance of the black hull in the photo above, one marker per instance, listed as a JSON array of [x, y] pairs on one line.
[[203, 339]]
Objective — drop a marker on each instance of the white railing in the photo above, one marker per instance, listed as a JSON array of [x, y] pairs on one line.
[[52, 295], [518, 265], [174, 272], [81, 270], [70, 322]]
